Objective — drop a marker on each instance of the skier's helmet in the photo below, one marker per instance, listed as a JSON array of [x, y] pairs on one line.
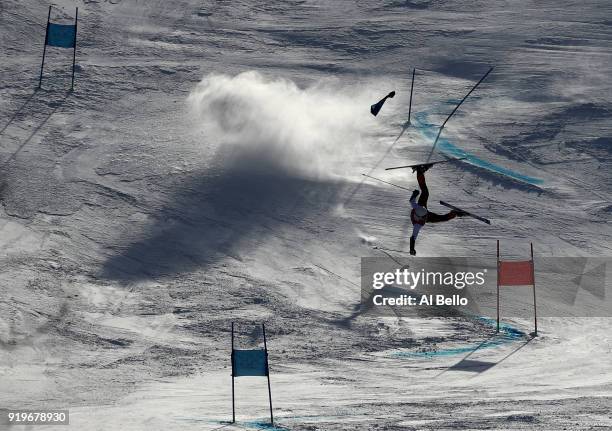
[[420, 212]]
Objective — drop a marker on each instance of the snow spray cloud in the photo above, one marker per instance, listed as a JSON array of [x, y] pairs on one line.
[[273, 124]]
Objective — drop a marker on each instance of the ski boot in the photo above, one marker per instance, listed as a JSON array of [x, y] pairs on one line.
[[422, 168]]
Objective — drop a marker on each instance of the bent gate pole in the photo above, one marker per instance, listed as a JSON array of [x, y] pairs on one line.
[[455, 110]]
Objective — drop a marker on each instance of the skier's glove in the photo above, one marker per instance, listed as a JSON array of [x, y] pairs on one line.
[[415, 193]]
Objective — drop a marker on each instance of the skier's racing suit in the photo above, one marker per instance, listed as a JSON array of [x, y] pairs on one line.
[[430, 217]]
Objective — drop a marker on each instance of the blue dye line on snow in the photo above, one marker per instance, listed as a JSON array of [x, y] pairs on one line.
[[445, 146], [265, 425], [507, 335], [262, 425]]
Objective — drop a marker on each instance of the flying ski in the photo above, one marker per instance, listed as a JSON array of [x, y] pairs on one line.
[[426, 165], [465, 213]]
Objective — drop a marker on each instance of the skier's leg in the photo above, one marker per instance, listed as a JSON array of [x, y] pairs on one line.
[[424, 190], [437, 218]]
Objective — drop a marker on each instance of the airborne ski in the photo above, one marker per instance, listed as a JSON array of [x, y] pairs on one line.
[[463, 212], [426, 164]]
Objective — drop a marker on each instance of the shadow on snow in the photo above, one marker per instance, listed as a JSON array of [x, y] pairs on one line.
[[223, 213]]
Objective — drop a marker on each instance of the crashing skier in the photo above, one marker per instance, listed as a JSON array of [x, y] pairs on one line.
[[420, 214]]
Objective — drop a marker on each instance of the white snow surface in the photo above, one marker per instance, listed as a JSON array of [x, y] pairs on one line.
[[207, 170]]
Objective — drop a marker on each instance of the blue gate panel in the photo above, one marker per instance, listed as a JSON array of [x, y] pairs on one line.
[[61, 35], [249, 363]]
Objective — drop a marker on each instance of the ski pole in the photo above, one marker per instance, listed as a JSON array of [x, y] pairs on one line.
[[386, 182]]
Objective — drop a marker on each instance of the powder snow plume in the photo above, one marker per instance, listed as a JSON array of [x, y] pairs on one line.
[[272, 124]]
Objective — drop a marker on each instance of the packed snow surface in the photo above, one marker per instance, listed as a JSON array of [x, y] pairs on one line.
[[206, 169]]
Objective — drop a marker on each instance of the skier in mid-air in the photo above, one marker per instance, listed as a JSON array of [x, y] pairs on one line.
[[420, 214]]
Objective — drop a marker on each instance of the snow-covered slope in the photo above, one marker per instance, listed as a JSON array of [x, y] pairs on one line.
[[207, 169]]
